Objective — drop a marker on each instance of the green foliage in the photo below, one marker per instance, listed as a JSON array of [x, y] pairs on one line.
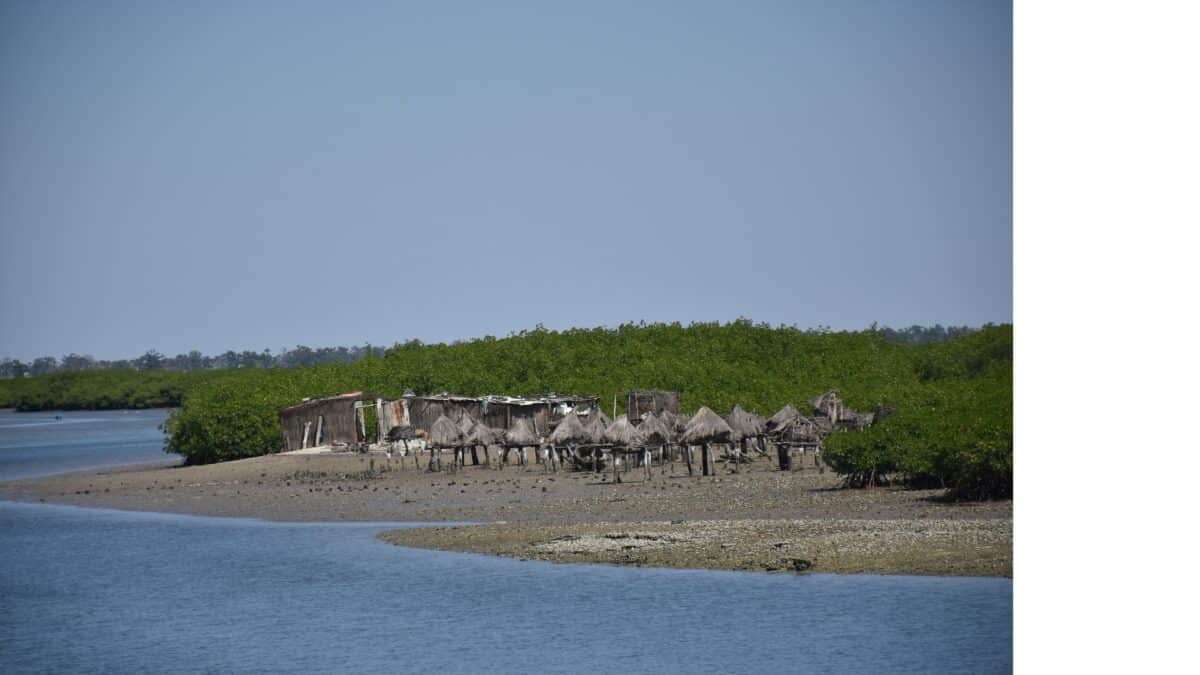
[[953, 398], [953, 426], [98, 390]]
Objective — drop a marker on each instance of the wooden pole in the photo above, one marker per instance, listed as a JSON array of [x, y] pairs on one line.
[[687, 454]]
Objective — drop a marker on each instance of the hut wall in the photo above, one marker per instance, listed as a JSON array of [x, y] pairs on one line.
[[639, 402], [424, 411], [395, 414], [340, 423]]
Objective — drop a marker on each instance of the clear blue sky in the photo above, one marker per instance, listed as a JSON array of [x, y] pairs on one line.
[[233, 175]]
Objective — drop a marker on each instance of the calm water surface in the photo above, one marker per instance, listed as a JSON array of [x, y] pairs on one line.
[[38, 444], [90, 590]]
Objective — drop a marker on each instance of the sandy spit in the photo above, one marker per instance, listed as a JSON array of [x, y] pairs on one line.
[[760, 519]]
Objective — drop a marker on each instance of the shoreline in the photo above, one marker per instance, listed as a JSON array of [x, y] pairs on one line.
[[760, 519]]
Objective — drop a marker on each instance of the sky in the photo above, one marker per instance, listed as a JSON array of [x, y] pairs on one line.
[[232, 175]]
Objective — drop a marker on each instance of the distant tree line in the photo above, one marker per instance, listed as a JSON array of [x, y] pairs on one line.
[[300, 356], [950, 391], [303, 357]]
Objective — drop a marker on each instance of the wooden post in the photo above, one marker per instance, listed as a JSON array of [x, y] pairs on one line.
[[704, 468], [687, 454], [616, 473], [320, 430], [380, 432], [649, 464], [304, 441]]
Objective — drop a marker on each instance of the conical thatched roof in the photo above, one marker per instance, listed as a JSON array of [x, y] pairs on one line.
[[570, 431], [482, 434], [707, 426], [797, 428], [786, 414], [521, 433], [596, 428], [623, 434], [655, 432], [674, 422], [445, 434], [465, 424], [604, 419], [744, 423]]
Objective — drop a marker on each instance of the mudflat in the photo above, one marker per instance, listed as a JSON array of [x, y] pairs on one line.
[[757, 519]]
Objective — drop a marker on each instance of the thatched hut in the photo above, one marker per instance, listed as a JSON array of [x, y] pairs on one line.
[[656, 432], [520, 436], [570, 433], [786, 414], [625, 439], [705, 428], [623, 434], [675, 422], [443, 434], [748, 427], [483, 436], [596, 428]]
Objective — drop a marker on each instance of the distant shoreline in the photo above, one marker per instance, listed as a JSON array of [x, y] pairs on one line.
[[761, 519]]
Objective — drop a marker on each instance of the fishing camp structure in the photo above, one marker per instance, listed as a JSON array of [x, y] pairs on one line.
[[359, 418], [566, 431]]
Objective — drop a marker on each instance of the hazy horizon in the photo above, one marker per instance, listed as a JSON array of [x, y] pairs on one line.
[[223, 177], [387, 345]]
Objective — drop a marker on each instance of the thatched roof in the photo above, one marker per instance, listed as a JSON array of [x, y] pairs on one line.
[[623, 433], [797, 428], [570, 431], [521, 433], [707, 426], [604, 419], [744, 423], [482, 434], [655, 432], [674, 422], [595, 428], [445, 434], [465, 424], [780, 419]]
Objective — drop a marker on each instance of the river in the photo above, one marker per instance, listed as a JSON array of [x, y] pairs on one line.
[[93, 590]]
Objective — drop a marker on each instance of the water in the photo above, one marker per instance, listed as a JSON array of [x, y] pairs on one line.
[[38, 444], [91, 590]]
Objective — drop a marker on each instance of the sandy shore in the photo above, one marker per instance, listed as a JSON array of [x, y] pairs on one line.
[[759, 519]]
